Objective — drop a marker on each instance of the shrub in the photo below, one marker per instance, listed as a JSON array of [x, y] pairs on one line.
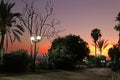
[[16, 61], [43, 61]]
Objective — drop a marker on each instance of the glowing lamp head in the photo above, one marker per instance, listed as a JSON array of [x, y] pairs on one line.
[[32, 38], [38, 38]]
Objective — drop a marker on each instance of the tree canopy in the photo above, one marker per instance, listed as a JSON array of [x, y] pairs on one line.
[[68, 51], [114, 54]]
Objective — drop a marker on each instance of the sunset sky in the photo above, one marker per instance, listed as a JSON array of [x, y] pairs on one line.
[[79, 17]]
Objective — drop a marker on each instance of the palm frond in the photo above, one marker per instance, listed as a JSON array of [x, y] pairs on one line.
[[13, 21], [105, 45], [18, 31], [118, 17], [16, 36], [117, 27], [16, 15], [102, 44], [20, 28], [10, 6], [11, 40], [92, 44]]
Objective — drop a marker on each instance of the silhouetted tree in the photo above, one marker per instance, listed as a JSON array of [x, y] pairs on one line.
[[95, 34], [68, 51], [8, 24], [39, 22], [114, 53], [117, 28]]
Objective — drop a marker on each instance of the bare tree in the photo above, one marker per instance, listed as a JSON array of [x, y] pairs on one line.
[[38, 23]]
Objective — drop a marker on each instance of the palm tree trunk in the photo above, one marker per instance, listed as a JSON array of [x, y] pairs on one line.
[[6, 49], [95, 49], [2, 45], [100, 52]]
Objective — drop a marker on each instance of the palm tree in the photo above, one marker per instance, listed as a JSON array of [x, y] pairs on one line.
[[95, 34], [117, 27], [8, 25], [102, 44]]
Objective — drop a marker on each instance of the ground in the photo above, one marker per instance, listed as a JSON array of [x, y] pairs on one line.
[[86, 74]]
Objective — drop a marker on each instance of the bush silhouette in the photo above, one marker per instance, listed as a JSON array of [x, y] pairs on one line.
[[16, 61]]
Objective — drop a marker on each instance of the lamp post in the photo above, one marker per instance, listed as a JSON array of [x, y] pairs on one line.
[[35, 40]]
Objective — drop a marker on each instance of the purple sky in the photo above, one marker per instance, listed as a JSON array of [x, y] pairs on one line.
[[81, 16]]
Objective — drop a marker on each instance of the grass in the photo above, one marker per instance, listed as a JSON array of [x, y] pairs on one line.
[[88, 74]]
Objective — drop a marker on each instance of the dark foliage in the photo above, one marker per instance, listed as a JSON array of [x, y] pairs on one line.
[[16, 61], [43, 61], [114, 54], [95, 34], [91, 61], [68, 51], [101, 61]]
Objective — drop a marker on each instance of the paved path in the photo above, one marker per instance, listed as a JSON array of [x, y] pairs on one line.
[[87, 74], [99, 73]]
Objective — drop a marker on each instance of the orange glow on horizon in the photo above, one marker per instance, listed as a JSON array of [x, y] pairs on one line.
[[104, 52], [42, 47], [45, 45]]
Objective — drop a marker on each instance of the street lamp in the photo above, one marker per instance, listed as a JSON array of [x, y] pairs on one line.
[[38, 38], [35, 40]]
